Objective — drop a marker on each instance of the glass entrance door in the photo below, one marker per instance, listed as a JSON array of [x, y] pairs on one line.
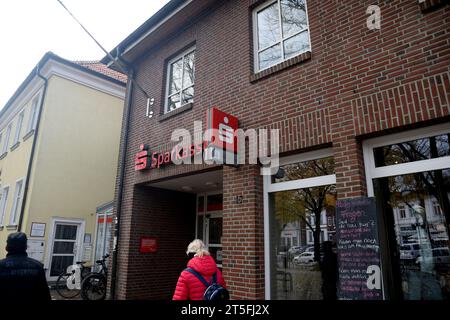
[[210, 223], [64, 249]]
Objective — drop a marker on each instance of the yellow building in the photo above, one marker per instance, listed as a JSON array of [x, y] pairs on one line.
[[59, 146]]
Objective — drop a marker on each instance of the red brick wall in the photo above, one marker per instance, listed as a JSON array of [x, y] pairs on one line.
[[356, 83], [243, 232]]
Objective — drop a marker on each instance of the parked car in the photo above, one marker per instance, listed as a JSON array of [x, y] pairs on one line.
[[296, 250], [305, 257], [439, 256], [409, 251]]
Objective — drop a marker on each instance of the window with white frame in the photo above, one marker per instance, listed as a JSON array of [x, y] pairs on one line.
[[402, 211], [17, 204], [180, 81], [302, 192], [3, 203], [33, 114], [19, 127], [406, 170], [7, 135], [437, 209], [280, 32]]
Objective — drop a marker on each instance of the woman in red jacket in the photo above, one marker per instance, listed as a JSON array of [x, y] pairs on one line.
[[190, 287]]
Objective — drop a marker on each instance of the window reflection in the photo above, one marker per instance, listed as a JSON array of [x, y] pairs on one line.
[[281, 40], [301, 222], [306, 169], [293, 15], [181, 81], [420, 205], [416, 150]]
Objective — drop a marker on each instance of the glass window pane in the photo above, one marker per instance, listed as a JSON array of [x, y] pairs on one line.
[[296, 45], [189, 70], [268, 26], [176, 71], [421, 149], [60, 264], [188, 95], [108, 234], [100, 237], [173, 102], [306, 169], [215, 230], [293, 16], [422, 238], [269, 57], [214, 202], [295, 270], [66, 232], [200, 228], [63, 247]]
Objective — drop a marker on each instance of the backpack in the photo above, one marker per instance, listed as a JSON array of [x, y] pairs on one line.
[[214, 291]]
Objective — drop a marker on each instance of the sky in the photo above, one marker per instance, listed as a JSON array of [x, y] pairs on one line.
[[30, 28]]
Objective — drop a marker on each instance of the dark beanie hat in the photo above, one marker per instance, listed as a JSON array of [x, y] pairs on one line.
[[16, 242]]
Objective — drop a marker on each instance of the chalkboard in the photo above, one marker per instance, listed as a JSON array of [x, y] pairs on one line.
[[358, 250]]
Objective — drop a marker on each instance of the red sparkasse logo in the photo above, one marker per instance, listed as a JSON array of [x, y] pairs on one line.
[[223, 125]]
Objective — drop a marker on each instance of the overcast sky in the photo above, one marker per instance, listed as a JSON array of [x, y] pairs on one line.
[[30, 28]]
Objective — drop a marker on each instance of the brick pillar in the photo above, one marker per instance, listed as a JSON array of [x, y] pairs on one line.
[[349, 167], [243, 232]]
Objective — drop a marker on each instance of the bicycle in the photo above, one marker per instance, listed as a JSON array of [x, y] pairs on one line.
[[66, 283], [93, 286]]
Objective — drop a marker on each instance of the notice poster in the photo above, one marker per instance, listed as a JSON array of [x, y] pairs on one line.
[[358, 250]]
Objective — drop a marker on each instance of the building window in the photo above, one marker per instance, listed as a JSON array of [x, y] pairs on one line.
[[406, 170], [7, 135], [33, 115], [402, 211], [310, 237], [330, 221], [17, 204], [437, 209], [180, 81], [3, 203], [19, 127], [281, 32], [303, 192]]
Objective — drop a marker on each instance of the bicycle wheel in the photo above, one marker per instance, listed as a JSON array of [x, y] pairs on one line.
[[93, 287], [62, 289]]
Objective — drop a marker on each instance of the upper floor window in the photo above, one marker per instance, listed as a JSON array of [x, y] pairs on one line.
[[33, 114], [3, 203], [19, 127], [281, 32], [18, 194], [7, 135], [402, 211], [180, 80]]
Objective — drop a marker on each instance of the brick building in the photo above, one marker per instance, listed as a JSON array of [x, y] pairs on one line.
[[363, 114]]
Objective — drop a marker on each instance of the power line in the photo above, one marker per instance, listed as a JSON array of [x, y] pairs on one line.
[[117, 62]]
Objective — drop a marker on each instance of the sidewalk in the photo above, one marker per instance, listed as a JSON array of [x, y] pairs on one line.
[[56, 296]]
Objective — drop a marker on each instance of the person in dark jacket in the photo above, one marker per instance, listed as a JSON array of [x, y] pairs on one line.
[[188, 286], [21, 278]]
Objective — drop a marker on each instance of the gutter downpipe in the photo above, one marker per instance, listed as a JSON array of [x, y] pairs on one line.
[[122, 160], [33, 148]]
